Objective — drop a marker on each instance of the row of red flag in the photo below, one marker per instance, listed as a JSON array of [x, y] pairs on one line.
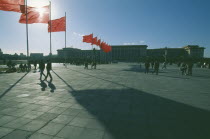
[[35, 14], [95, 41]]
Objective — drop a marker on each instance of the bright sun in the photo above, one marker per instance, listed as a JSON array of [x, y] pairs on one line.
[[41, 10]]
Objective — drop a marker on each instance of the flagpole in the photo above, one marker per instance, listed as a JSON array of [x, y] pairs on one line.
[[27, 42], [65, 31], [50, 32]]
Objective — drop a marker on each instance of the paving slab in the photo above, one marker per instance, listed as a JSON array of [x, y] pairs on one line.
[[115, 101]]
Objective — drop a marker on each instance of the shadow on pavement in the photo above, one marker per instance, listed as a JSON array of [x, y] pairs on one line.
[[43, 85], [52, 87], [5, 92], [136, 68], [133, 114]]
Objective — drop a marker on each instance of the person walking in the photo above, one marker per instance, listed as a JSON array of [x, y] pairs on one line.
[[147, 65], [49, 68], [35, 64], [156, 67], [41, 67], [183, 68]]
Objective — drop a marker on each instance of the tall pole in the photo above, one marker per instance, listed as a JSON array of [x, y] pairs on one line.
[[65, 30], [27, 42], [50, 22]]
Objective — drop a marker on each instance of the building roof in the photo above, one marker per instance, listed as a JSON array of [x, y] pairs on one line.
[[129, 46]]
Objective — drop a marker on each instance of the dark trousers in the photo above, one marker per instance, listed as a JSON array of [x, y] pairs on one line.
[[48, 73], [42, 73]]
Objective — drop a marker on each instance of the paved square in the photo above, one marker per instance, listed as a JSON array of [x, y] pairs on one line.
[[116, 101]]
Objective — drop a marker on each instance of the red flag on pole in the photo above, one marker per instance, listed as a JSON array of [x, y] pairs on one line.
[[57, 25], [36, 15], [94, 41], [11, 5], [16, 2], [98, 42], [88, 38]]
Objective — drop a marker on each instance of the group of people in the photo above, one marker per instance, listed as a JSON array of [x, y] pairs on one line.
[[27, 67], [154, 65], [42, 68], [186, 68]]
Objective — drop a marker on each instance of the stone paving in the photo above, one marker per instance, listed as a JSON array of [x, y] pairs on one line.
[[116, 101]]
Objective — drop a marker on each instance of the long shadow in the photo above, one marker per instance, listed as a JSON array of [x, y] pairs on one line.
[[52, 87], [136, 68], [182, 77], [6, 91], [134, 114], [63, 81], [43, 85]]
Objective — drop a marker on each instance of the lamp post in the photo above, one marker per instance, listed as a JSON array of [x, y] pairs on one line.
[[166, 52]]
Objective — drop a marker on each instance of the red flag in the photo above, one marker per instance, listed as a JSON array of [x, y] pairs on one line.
[[36, 15], [98, 42], [88, 38], [15, 2], [57, 25], [94, 41], [10, 7]]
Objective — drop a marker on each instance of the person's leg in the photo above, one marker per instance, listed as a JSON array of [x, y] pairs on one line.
[[47, 75], [40, 75], [50, 75]]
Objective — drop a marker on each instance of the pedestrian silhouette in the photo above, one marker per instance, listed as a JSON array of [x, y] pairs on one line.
[[49, 68], [41, 67]]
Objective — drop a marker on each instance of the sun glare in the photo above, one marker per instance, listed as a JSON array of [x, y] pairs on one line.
[[41, 10]]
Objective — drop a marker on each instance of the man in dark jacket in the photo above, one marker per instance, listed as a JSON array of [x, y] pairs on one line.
[[41, 67], [49, 67]]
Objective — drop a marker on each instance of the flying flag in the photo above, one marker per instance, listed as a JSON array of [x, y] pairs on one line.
[[88, 38], [11, 5], [94, 41], [98, 42], [15, 2], [36, 15], [57, 25]]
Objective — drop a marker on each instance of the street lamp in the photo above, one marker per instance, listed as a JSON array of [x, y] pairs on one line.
[[166, 52]]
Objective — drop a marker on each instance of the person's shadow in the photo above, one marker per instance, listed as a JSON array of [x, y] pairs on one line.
[[43, 85], [51, 86]]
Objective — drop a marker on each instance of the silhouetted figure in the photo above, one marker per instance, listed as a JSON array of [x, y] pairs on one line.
[[41, 67], [189, 68], [152, 64], [183, 68], [21, 67], [29, 65], [93, 65], [49, 68], [147, 65], [25, 67], [35, 64], [164, 65], [86, 64], [156, 67]]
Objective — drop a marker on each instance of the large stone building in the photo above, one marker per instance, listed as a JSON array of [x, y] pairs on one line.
[[129, 53], [193, 51], [74, 53], [36, 56]]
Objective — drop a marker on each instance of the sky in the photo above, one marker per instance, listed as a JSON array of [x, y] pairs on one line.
[[156, 23]]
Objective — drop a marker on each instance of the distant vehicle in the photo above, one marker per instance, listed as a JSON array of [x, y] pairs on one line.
[[115, 61]]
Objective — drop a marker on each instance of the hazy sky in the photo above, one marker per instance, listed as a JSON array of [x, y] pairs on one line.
[[156, 23]]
